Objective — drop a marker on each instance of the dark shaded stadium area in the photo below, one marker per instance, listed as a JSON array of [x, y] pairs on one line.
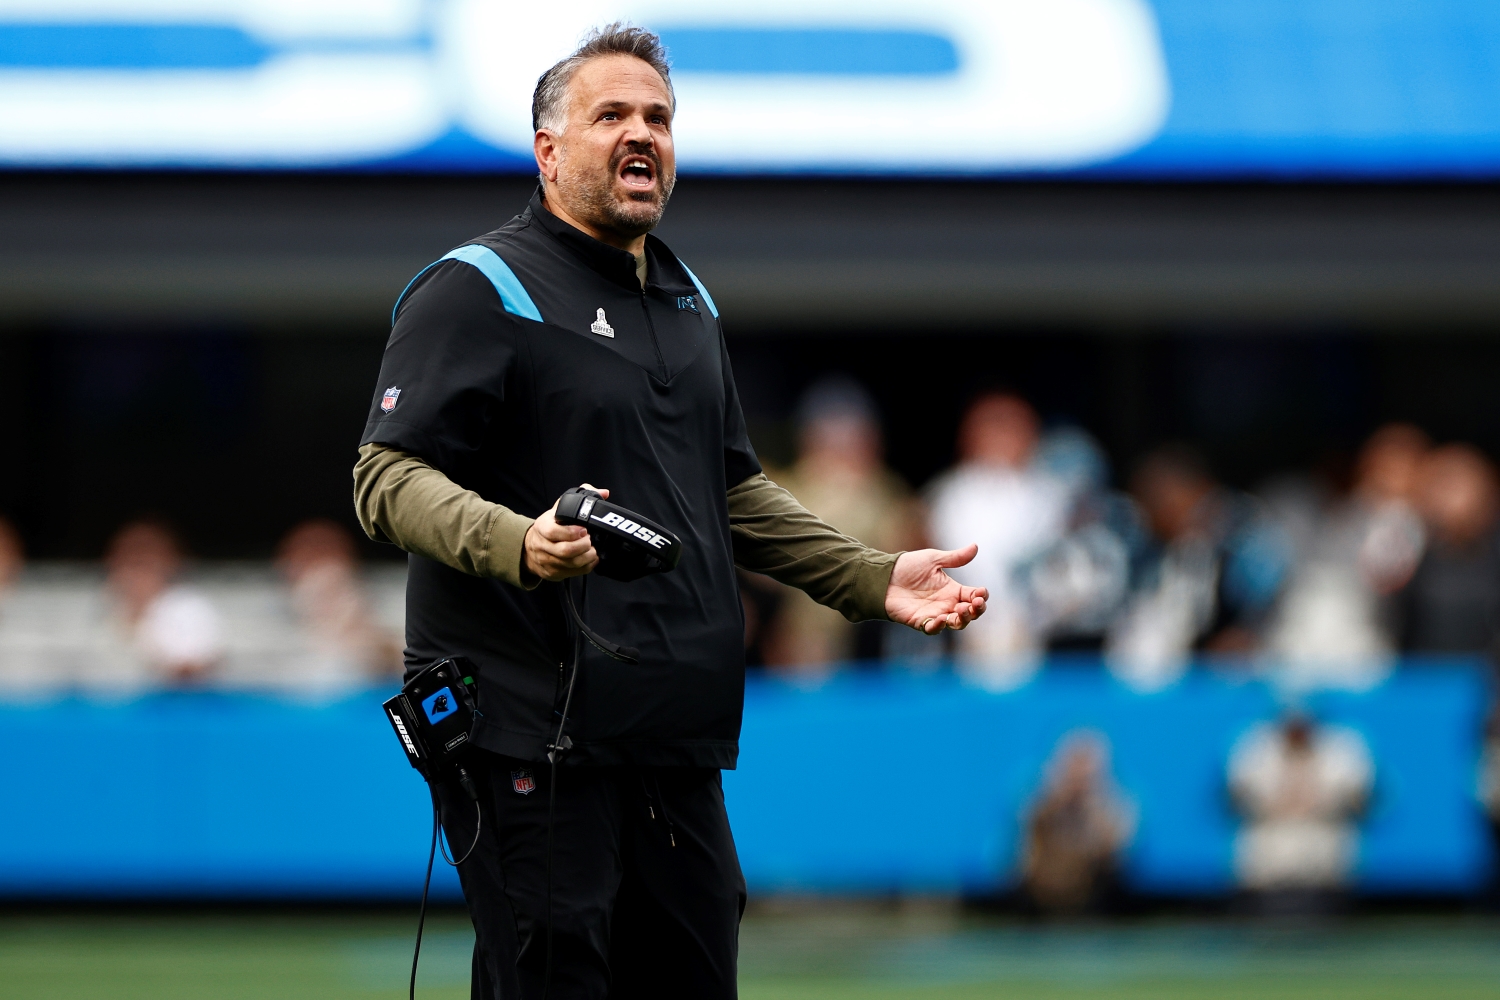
[[209, 356], [235, 434]]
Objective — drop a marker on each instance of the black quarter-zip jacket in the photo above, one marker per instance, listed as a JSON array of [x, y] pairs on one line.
[[523, 378]]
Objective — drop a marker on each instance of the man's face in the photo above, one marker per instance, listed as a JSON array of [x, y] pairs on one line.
[[613, 167], [999, 430]]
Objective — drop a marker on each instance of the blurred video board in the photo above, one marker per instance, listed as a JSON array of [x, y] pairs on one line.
[[1165, 88]]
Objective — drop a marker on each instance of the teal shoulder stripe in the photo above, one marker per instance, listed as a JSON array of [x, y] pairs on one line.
[[512, 293], [402, 297], [702, 291]]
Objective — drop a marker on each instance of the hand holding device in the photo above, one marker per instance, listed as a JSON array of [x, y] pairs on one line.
[[555, 551]]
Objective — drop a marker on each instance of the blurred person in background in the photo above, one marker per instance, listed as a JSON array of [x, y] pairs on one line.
[[1488, 792], [320, 564], [1301, 788], [1076, 587], [173, 629], [17, 670], [12, 557], [1210, 579], [998, 497], [840, 476], [1335, 624], [1076, 829], [1452, 604]]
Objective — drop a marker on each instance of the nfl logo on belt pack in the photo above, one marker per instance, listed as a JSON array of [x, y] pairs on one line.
[[388, 401], [522, 782]]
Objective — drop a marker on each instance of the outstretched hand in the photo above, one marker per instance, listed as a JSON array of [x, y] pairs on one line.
[[925, 597]]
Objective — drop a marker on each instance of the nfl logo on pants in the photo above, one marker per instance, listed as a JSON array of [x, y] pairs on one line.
[[522, 782]]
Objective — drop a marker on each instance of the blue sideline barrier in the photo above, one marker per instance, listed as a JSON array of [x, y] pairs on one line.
[[868, 784]]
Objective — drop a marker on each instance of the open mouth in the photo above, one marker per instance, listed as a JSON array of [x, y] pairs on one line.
[[638, 172]]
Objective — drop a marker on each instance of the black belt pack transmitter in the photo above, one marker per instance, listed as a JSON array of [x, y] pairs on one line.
[[433, 715], [630, 546]]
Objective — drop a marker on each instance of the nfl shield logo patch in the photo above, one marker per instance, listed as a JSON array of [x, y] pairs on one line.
[[388, 401], [522, 782]]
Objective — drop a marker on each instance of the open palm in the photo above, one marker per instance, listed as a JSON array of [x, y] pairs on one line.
[[923, 596]]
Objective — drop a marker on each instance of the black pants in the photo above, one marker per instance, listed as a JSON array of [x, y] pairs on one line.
[[646, 886]]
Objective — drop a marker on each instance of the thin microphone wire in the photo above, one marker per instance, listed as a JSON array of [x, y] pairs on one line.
[[478, 823], [552, 756], [411, 989], [625, 654], [437, 841]]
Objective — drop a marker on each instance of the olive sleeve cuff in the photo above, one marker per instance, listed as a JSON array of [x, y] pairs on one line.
[[399, 498], [774, 534]]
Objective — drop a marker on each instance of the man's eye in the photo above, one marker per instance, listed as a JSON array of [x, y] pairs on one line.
[[610, 116]]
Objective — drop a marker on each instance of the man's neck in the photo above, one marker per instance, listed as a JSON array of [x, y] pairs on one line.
[[633, 244]]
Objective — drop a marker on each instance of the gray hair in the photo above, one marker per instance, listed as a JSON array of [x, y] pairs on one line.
[[549, 101]]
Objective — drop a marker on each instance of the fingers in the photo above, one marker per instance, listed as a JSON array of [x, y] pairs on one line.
[[559, 534], [957, 557], [558, 551], [959, 619], [549, 529], [602, 492], [559, 561], [971, 604], [566, 549]]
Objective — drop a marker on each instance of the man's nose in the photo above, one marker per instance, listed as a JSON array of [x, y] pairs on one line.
[[637, 132]]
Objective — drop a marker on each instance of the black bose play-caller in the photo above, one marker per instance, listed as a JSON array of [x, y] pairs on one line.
[[630, 546]]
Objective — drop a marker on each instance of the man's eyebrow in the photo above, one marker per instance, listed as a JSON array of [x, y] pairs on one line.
[[655, 107]]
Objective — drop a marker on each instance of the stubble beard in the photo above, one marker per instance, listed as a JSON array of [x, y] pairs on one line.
[[597, 201]]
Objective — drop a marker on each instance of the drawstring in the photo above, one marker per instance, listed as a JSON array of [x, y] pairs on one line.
[[654, 802]]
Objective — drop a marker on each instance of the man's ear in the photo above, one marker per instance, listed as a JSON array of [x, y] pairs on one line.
[[548, 151]]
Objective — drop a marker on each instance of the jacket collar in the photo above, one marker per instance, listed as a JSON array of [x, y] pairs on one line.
[[663, 270]]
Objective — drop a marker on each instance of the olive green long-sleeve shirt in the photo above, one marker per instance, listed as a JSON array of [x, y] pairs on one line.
[[400, 498]]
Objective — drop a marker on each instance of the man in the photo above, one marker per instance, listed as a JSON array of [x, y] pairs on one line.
[[569, 347], [1076, 829], [1210, 580], [840, 475], [1301, 787], [996, 489], [1452, 603]]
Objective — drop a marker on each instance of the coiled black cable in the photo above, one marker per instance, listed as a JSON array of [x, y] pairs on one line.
[[437, 822]]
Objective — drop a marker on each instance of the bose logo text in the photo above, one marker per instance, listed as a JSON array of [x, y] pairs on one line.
[[629, 527], [411, 747]]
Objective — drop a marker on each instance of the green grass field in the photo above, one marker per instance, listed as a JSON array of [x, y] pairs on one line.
[[822, 953]]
